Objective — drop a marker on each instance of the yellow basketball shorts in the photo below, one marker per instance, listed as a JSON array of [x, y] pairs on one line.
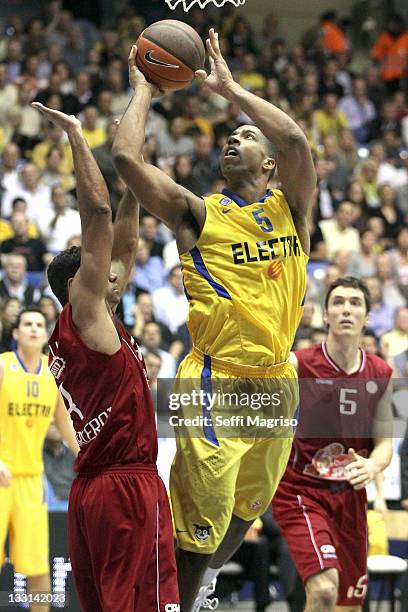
[[232, 447], [24, 518]]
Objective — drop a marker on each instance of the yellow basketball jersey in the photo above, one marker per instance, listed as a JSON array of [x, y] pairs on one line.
[[246, 280], [27, 406]]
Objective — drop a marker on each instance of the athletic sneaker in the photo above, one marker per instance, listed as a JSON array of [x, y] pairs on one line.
[[202, 601]]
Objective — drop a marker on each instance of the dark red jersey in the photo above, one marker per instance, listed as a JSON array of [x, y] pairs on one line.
[[107, 397], [336, 413]]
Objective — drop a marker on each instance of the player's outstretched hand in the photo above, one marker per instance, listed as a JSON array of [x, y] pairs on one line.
[[136, 76], [5, 475], [361, 471], [220, 78], [66, 122]]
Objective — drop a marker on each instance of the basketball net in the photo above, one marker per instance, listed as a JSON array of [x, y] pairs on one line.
[[187, 4]]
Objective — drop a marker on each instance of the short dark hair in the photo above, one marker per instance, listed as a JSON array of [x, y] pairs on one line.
[[63, 267], [33, 308], [354, 283]]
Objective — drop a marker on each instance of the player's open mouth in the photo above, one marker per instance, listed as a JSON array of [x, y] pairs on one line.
[[231, 152]]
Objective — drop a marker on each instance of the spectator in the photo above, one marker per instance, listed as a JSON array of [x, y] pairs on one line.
[[391, 51], [142, 314], [194, 122], [6, 229], [10, 166], [363, 264], [183, 174], [149, 227], [104, 105], [249, 77], [58, 224], [329, 119], [387, 275], [388, 211], [370, 343], [334, 40], [32, 249], [359, 110], [338, 175], [399, 256], [8, 93], [329, 83], [174, 142], [9, 310], [58, 463], [325, 200], [205, 163], [94, 136], [150, 272], [50, 310], [53, 139], [338, 232], [366, 174], [151, 341], [14, 281], [30, 189], [169, 303], [51, 175], [381, 314], [395, 341]]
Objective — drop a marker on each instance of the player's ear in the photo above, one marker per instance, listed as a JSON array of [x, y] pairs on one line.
[[269, 164], [325, 317], [14, 333]]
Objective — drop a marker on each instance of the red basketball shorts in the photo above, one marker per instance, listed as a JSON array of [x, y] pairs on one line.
[[121, 541], [326, 528]]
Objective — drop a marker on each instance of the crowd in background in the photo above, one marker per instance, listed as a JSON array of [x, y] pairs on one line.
[[355, 120]]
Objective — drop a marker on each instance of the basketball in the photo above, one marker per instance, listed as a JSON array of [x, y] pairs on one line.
[[168, 53]]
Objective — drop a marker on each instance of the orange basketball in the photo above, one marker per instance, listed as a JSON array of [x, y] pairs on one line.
[[168, 53]]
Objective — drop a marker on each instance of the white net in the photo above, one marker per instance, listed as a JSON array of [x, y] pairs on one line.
[[187, 4]]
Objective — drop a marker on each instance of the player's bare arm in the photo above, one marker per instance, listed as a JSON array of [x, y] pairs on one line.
[[182, 211], [89, 287], [379, 504], [5, 474], [125, 239], [363, 470], [64, 425], [295, 163], [294, 360]]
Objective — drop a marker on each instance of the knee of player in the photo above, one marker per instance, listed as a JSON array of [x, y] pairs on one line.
[[322, 590]]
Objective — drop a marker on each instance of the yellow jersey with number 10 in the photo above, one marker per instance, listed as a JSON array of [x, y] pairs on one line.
[[27, 406], [246, 280]]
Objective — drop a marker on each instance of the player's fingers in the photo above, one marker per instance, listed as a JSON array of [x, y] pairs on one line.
[[132, 56], [216, 43], [210, 49], [201, 74], [42, 108]]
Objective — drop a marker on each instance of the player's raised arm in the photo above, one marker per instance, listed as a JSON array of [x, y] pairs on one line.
[[93, 204], [125, 238], [156, 191], [295, 163]]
